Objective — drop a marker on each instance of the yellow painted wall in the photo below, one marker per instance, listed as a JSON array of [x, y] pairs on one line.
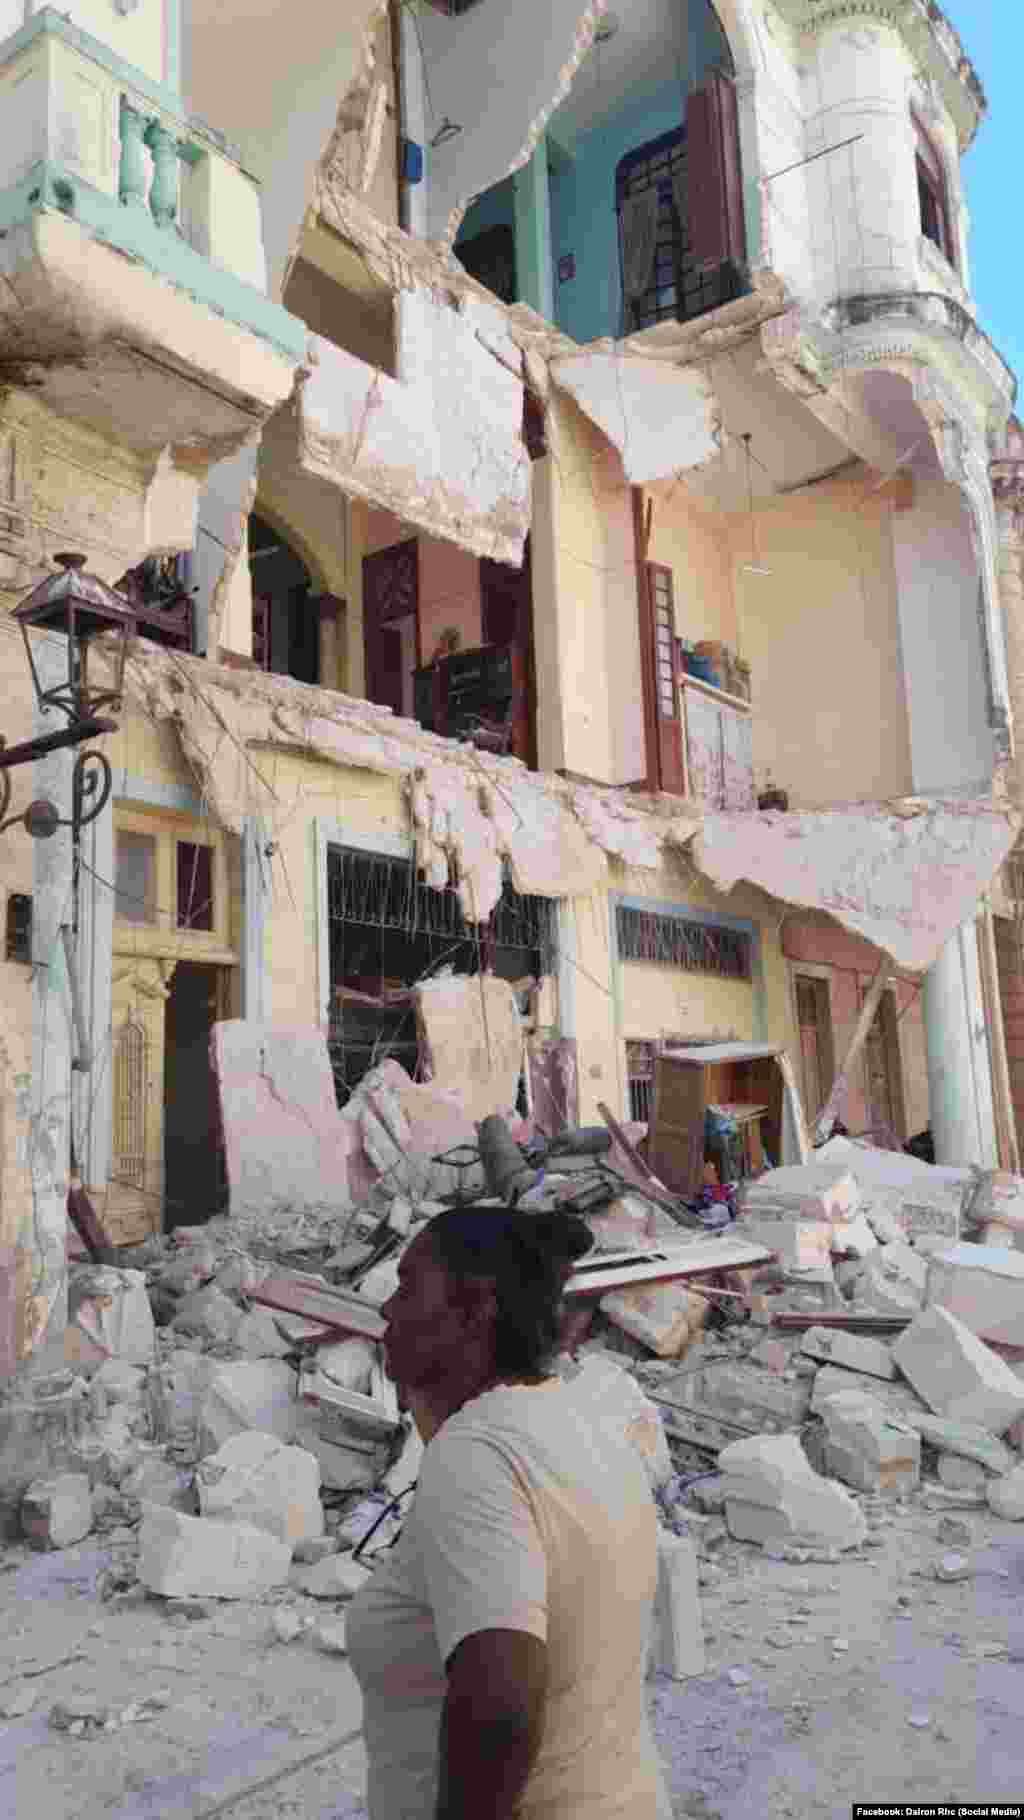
[[821, 635], [694, 544], [137, 36]]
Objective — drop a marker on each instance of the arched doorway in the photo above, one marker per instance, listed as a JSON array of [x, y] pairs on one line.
[[285, 610]]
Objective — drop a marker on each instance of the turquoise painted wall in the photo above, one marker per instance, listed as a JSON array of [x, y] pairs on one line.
[[583, 219]]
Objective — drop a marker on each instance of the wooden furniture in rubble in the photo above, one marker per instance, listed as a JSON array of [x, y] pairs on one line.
[[747, 1080]]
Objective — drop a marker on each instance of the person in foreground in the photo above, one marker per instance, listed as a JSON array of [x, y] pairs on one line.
[[501, 1648]]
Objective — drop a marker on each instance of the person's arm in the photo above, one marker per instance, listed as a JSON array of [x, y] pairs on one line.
[[492, 1724]]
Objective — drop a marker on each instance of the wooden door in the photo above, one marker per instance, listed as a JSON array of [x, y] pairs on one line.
[[883, 1073], [675, 1141], [663, 725], [390, 595], [506, 609], [814, 1025]]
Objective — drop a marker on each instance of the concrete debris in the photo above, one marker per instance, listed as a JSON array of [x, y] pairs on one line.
[[618, 391], [956, 1374], [109, 1317], [799, 1244], [285, 1146], [255, 1478], [329, 1635], [57, 1512], [865, 1448], [742, 1394], [193, 1266], [286, 1624], [983, 1288], [117, 1381], [472, 1039], [401, 1125], [772, 1495], [1006, 1496], [348, 1363], [662, 1316], [183, 1557], [892, 1281], [953, 1567], [677, 1642], [210, 1315], [311, 1549], [604, 1390], [258, 1336], [854, 1238], [965, 1441], [160, 1481], [239, 1396], [999, 1202], [854, 1351], [337, 1577], [919, 1197], [961, 1475], [811, 1191]]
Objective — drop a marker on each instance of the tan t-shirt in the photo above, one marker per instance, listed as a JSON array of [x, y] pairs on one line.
[[530, 1514]]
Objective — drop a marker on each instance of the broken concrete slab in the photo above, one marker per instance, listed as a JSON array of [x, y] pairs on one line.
[[248, 1394], [603, 1387], [119, 1382], [160, 1481], [195, 1557], [804, 1191], [898, 1398], [853, 1238], [741, 1393], [258, 1336], [286, 1148], [209, 1315], [854, 1351], [109, 1316], [58, 1511], [866, 1448], [957, 1375], [472, 1039], [984, 1288], [401, 1125], [799, 1244], [772, 1495], [348, 1363], [677, 1640], [662, 1316], [999, 1201], [661, 418], [965, 1440], [919, 1197], [892, 1281], [255, 1478], [336, 1577], [1006, 1496]]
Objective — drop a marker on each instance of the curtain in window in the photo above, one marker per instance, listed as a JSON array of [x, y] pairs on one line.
[[639, 218]]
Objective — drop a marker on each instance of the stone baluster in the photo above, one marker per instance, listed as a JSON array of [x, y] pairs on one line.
[[163, 194], [132, 179]]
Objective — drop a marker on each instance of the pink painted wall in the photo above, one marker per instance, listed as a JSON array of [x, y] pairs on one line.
[[852, 964], [449, 581]]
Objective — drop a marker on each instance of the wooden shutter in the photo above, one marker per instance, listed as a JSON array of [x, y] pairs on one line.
[[714, 178], [662, 723], [676, 1138]]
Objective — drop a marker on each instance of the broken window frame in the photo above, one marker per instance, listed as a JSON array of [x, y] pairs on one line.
[[164, 934], [665, 938], [387, 897]]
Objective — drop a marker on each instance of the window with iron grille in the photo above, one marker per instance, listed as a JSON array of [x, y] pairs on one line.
[[640, 1080], [387, 931], [664, 940], [679, 289], [18, 933]]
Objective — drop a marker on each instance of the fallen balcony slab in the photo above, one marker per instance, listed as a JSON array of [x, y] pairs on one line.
[[661, 418]]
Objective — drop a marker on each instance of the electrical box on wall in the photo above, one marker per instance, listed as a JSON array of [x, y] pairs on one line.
[[412, 161]]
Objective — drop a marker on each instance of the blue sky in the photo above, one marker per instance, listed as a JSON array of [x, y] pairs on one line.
[[992, 32]]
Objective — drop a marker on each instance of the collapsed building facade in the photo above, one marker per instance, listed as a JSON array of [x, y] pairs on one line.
[[428, 392]]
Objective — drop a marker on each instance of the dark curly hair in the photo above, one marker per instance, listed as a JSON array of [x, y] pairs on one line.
[[529, 1257]]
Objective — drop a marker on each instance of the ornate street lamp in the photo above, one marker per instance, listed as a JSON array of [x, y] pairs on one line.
[[81, 607]]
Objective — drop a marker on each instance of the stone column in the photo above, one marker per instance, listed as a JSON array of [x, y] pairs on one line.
[[959, 1070]]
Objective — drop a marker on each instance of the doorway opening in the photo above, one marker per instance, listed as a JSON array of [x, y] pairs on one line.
[[883, 1072], [195, 1185], [285, 614], [817, 1052]]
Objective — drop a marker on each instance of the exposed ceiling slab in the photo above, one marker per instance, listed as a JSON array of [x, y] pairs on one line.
[[661, 419]]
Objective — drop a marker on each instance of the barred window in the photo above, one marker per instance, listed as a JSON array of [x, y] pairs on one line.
[[676, 941], [640, 1080]]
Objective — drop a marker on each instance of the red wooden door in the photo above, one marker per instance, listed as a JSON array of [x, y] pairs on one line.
[[506, 601], [384, 667]]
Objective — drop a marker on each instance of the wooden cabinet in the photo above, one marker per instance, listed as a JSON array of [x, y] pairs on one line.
[[688, 1081]]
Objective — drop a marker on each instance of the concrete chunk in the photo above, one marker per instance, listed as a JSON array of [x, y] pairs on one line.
[[258, 1336], [772, 1495], [210, 1315], [798, 1243], [854, 1351], [853, 1238], [250, 1394], [892, 1281], [966, 1441], [192, 1557], [1006, 1496], [57, 1512], [956, 1374], [809, 1191], [742, 1393], [255, 1478], [662, 1316], [677, 1642], [865, 1448], [1000, 1201], [337, 1577], [110, 1315], [961, 1475], [983, 1287]]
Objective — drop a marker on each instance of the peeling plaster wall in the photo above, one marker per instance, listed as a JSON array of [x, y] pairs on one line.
[[821, 633], [940, 633], [498, 73]]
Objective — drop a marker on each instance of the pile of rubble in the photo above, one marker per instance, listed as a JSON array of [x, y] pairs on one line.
[[226, 1424]]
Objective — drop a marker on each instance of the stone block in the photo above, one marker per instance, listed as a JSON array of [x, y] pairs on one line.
[[798, 1244], [806, 1191], [160, 1481], [677, 1640], [854, 1351], [210, 1315], [258, 1393], [961, 1475], [258, 1336], [603, 1388], [188, 1270], [865, 1449], [336, 1577], [743, 1393], [57, 1512], [110, 1311], [892, 1281], [1000, 1200], [772, 1495], [348, 1363], [286, 1146], [983, 1288], [662, 1316], [1006, 1496], [853, 1238], [886, 1225], [966, 1441], [255, 1478], [956, 1374], [350, 1466], [193, 1557]]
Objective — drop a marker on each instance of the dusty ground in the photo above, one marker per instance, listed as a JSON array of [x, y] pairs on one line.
[[256, 1729]]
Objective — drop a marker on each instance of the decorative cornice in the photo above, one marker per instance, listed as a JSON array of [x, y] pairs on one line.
[[928, 36]]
